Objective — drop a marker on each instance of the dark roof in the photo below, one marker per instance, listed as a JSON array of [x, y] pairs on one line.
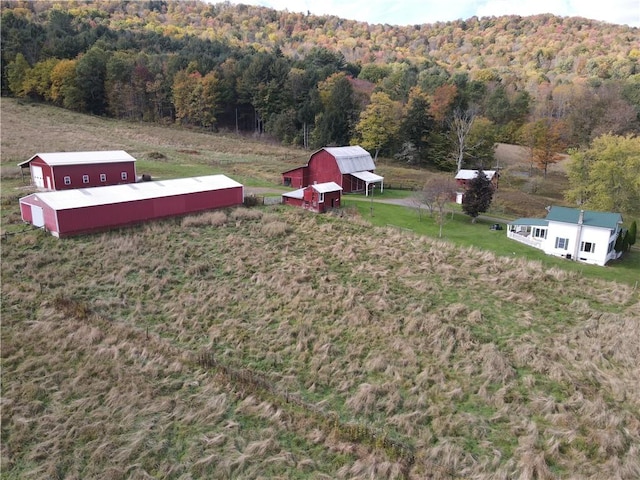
[[591, 218]]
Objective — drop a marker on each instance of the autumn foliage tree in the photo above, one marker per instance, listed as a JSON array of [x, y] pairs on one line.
[[605, 175], [379, 123], [545, 139]]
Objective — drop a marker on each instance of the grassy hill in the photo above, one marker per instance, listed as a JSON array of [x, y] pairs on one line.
[[271, 343]]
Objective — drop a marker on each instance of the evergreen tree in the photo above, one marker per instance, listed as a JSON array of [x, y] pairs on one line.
[[632, 233], [418, 123], [478, 196]]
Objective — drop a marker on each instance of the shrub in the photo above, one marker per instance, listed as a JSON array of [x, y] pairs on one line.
[[242, 213], [275, 229], [216, 219]]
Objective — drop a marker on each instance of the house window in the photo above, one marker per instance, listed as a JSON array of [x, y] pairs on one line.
[[587, 247], [611, 245], [103, 177], [123, 175], [85, 178], [562, 243], [67, 180], [540, 233]]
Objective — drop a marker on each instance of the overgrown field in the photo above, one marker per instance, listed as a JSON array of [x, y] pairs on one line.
[[333, 351], [274, 343]]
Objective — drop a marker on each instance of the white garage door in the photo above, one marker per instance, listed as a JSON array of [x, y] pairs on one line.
[[37, 216], [36, 173]]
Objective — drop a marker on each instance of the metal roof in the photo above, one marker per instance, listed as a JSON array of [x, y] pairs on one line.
[[318, 187], [89, 197], [590, 218], [326, 187], [299, 194], [351, 159], [82, 158], [534, 222], [368, 176], [471, 174]]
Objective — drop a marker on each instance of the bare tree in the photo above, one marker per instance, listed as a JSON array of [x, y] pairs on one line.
[[460, 125], [437, 193]]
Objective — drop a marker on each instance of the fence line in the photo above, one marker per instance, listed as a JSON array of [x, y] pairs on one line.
[[353, 432]]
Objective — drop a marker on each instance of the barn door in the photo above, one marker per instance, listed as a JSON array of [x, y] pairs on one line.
[[37, 216], [38, 178]]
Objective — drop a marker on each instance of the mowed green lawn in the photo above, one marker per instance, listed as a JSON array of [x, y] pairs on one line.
[[459, 230]]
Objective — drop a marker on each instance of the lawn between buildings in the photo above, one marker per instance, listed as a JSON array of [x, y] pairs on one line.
[[483, 365], [459, 230]]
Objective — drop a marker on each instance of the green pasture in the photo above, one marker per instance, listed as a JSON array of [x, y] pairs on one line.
[[459, 230]]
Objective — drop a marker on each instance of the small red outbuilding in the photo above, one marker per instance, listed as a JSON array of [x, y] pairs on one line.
[[67, 170], [317, 198], [85, 210], [351, 168]]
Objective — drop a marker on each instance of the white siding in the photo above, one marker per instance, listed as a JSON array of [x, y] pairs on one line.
[[600, 236]]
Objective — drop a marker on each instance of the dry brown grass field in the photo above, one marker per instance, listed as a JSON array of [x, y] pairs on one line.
[[333, 349]]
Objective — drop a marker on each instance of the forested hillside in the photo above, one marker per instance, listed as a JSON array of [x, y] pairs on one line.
[[404, 91]]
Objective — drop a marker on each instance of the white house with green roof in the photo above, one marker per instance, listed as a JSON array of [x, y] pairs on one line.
[[574, 234]]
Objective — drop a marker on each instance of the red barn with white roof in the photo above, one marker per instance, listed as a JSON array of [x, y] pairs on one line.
[[351, 168], [85, 210], [318, 198], [67, 170]]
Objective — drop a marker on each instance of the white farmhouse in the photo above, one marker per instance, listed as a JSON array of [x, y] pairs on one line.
[[580, 235]]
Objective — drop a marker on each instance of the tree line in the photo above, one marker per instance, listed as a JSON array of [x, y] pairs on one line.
[[425, 113]]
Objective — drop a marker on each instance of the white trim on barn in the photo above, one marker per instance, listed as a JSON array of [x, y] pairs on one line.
[[82, 158], [85, 210], [129, 192], [369, 178]]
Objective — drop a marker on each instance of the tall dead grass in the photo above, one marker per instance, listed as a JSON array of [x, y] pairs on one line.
[[513, 371]]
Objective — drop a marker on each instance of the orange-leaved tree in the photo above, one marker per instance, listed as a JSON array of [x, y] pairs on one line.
[[546, 141]]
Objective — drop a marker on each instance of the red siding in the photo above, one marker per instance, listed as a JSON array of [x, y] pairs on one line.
[[103, 217], [295, 178], [113, 171], [25, 212], [296, 202], [324, 168], [47, 173]]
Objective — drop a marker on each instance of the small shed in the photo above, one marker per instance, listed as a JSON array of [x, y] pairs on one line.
[[351, 167], [86, 210], [69, 170], [463, 177], [318, 198]]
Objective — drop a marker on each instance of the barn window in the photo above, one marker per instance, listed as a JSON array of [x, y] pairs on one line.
[[67, 180], [103, 177], [85, 178], [287, 181], [123, 175], [321, 198]]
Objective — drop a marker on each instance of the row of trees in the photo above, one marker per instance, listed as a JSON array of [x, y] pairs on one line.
[[421, 113]]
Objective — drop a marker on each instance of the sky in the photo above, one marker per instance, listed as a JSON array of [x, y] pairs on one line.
[[416, 12]]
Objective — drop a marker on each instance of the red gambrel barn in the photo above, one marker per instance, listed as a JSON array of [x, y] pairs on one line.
[[68, 170], [318, 198], [351, 168], [86, 210]]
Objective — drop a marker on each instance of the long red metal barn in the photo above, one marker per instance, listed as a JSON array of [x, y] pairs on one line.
[[67, 170], [86, 210]]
